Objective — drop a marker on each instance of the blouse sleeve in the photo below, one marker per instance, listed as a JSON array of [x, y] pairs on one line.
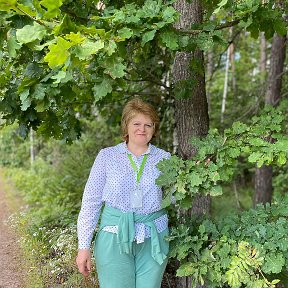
[[91, 202]]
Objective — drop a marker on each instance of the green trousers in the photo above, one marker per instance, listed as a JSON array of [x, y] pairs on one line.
[[135, 270]]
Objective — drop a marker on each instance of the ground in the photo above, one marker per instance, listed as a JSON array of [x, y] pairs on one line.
[[12, 274]]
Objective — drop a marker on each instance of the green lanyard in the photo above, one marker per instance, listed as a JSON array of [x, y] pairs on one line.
[[138, 173]]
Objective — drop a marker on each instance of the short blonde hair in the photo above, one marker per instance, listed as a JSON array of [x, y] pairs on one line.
[[138, 106]]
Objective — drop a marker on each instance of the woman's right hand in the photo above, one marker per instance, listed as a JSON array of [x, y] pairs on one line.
[[83, 261]]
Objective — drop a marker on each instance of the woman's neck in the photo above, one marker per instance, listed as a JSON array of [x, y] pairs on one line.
[[136, 149]]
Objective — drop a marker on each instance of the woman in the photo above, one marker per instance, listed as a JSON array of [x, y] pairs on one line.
[[130, 249]]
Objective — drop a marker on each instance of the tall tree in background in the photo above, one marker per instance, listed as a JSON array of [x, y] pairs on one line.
[[263, 175], [263, 58], [232, 59], [191, 111]]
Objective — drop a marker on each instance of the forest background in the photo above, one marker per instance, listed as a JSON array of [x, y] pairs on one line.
[[216, 72]]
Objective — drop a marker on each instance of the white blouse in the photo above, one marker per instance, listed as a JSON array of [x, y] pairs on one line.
[[110, 181]]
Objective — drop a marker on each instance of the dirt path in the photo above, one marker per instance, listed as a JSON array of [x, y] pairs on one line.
[[11, 272]]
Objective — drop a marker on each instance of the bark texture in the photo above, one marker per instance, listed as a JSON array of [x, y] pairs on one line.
[[232, 60], [191, 113], [210, 71], [263, 176], [263, 185], [277, 59]]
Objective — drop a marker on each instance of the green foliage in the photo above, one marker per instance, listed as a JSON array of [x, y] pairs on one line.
[[13, 149], [81, 54], [240, 251], [76, 59], [248, 250], [48, 223], [216, 158]]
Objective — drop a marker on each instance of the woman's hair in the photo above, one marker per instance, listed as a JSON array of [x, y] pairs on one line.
[[138, 106]]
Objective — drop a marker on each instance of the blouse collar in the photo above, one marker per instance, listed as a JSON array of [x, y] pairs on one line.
[[122, 148]]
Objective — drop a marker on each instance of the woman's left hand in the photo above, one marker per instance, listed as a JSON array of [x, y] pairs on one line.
[[83, 261]]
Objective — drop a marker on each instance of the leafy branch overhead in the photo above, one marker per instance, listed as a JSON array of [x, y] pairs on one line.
[[80, 53]]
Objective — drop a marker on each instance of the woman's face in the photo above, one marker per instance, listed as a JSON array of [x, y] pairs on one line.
[[140, 129]]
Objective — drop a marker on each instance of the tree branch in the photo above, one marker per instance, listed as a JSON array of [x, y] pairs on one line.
[[31, 17], [219, 27], [228, 24], [221, 54]]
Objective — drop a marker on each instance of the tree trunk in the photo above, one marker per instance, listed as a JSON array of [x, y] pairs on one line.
[[277, 59], [191, 113], [225, 88], [210, 71], [263, 175], [263, 184], [232, 61]]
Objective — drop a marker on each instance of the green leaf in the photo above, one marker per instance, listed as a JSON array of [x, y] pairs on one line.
[[280, 27], [258, 142], [148, 36], [254, 30], [26, 9], [65, 24], [167, 200], [202, 229], [186, 269], [274, 262], [7, 5], [215, 176], [39, 91], [216, 191], [220, 5], [169, 14], [111, 48], [119, 16], [255, 156], [210, 26], [75, 38], [26, 102], [58, 53], [204, 41], [59, 76], [52, 7], [281, 159], [114, 67], [239, 127], [12, 43], [30, 33], [102, 89], [195, 179], [149, 10], [42, 106], [170, 39], [62, 77], [233, 152], [87, 48], [125, 33], [33, 70]]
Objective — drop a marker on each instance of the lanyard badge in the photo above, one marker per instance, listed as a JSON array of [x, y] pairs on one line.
[[136, 195]]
